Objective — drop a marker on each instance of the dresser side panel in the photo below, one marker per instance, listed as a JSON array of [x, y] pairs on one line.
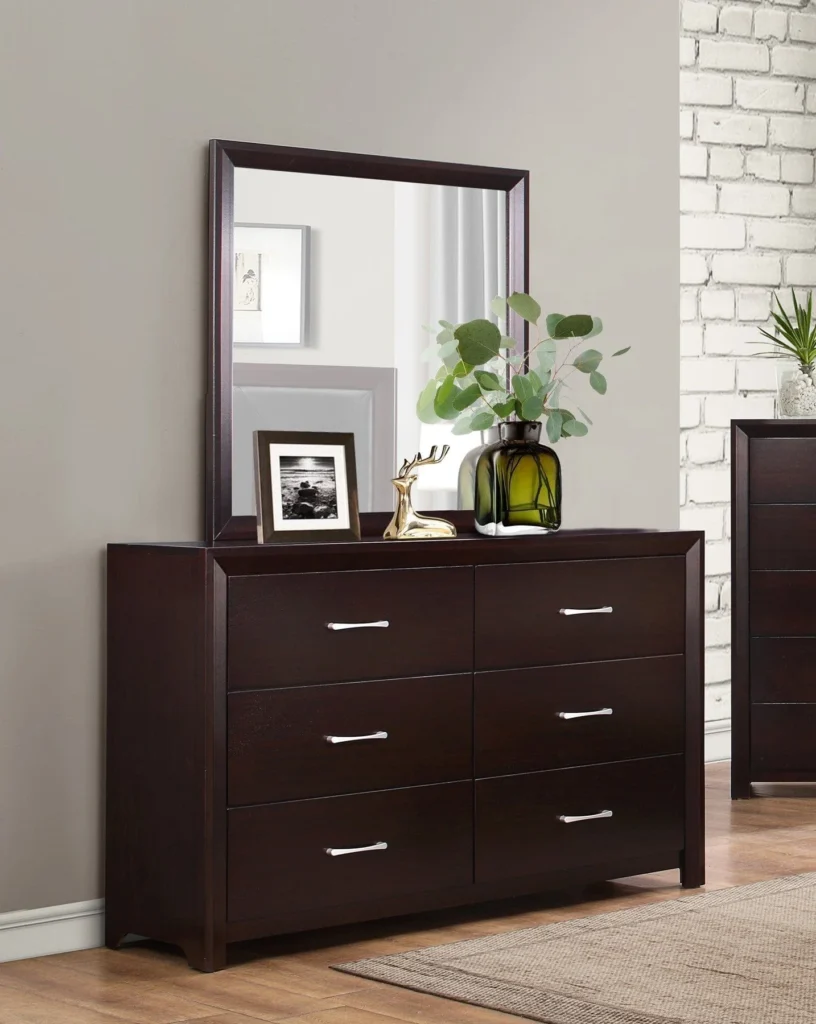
[[159, 813]]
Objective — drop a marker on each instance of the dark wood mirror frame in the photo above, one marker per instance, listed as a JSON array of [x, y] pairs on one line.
[[221, 524]]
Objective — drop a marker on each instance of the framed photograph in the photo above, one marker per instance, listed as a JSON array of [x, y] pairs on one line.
[[305, 486], [270, 290]]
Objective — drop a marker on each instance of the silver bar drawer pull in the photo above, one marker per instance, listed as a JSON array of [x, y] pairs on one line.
[[381, 735], [585, 714], [568, 819], [381, 624], [340, 851], [606, 610]]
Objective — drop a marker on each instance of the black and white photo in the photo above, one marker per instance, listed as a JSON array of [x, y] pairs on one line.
[[306, 486]]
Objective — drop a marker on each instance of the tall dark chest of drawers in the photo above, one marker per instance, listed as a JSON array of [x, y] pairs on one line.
[[774, 602], [308, 735]]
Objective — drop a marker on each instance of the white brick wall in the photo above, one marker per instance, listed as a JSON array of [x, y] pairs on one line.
[[748, 226]]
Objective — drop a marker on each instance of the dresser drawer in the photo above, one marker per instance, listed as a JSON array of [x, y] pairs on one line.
[[783, 604], [529, 720], [782, 469], [782, 536], [783, 738], [519, 818], [520, 618], [278, 860], [783, 669], [279, 626], [420, 732]]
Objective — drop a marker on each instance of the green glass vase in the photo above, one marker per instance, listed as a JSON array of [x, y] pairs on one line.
[[518, 484]]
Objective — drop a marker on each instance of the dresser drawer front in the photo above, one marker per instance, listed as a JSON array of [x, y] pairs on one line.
[[646, 595], [307, 741], [782, 670], [529, 720], [782, 469], [783, 738], [782, 536], [519, 826], [279, 631], [783, 604], [278, 860]]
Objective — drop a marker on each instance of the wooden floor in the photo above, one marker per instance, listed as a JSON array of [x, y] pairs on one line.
[[289, 980]]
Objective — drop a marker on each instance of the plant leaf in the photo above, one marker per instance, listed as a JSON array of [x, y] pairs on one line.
[[461, 369], [621, 351], [478, 341], [488, 381], [505, 409], [532, 408], [597, 327], [499, 307], [447, 324], [443, 402], [482, 421], [575, 428], [522, 387], [554, 396], [527, 308], [507, 342], [446, 335], [598, 382], [554, 421], [577, 326], [553, 320], [589, 421], [464, 399], [588, 360], [425, 403], [462, 426]]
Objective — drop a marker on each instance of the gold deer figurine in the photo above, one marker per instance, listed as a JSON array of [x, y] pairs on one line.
[[406, 524]]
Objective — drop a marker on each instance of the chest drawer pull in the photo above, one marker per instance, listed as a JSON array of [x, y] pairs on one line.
[[584, 714], [339, 851], [568, 819], [381, 735], [380, 624], [606, 610]]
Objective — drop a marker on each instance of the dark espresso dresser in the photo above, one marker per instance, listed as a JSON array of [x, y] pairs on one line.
[[773, 550], [307, 735]]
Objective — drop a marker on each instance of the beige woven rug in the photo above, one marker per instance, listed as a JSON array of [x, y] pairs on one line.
[[734, 956]]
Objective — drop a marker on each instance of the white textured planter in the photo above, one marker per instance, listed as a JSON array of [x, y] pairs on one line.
[[796, 392]]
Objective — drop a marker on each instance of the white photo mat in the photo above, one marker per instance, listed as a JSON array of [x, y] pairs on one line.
[[337, 453]]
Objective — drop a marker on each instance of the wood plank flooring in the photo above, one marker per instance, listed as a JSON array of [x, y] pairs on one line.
[[288, 980]]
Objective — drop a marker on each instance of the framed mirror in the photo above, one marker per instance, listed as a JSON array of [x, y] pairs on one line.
[[328, 274]]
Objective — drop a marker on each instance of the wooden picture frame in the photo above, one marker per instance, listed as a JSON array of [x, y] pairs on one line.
[[305, 486]]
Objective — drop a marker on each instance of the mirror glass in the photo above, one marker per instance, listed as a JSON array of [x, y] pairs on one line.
[[339, 286]]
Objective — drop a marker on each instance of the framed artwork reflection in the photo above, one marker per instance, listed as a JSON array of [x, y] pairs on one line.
[[270, 288], [305, 486]]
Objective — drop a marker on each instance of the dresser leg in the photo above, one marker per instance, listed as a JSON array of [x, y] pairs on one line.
[[692, 869], [206, 957], [740, 790], [114, 933]]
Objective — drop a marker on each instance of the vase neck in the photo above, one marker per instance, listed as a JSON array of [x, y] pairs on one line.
[[520, 431]]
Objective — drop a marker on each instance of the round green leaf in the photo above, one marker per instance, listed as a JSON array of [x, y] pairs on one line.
[[464, 399], [526, 307], [447, 324], [482, 421], [522, 387], [598, 382], [488, 381], [499, 307], [443, 402], [425, 403], [588, 360], [505, 409], [597, 327], [462, 426], [507, 342], [575, 428], [478, 341], [461, 369], [532, 408], [577, 326], [553, 320]]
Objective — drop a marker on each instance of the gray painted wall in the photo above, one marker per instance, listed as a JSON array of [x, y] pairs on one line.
[[106, 107]]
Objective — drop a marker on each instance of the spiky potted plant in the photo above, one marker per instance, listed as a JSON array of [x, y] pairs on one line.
[[794, 343], [486, 381]]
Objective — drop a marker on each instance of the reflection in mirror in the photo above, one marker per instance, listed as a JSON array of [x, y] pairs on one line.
[[337, 280]]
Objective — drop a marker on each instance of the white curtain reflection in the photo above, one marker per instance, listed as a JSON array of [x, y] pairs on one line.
[[451, 262]]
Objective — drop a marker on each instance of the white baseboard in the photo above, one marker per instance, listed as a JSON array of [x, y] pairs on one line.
[[718, 740], [47, 930]]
